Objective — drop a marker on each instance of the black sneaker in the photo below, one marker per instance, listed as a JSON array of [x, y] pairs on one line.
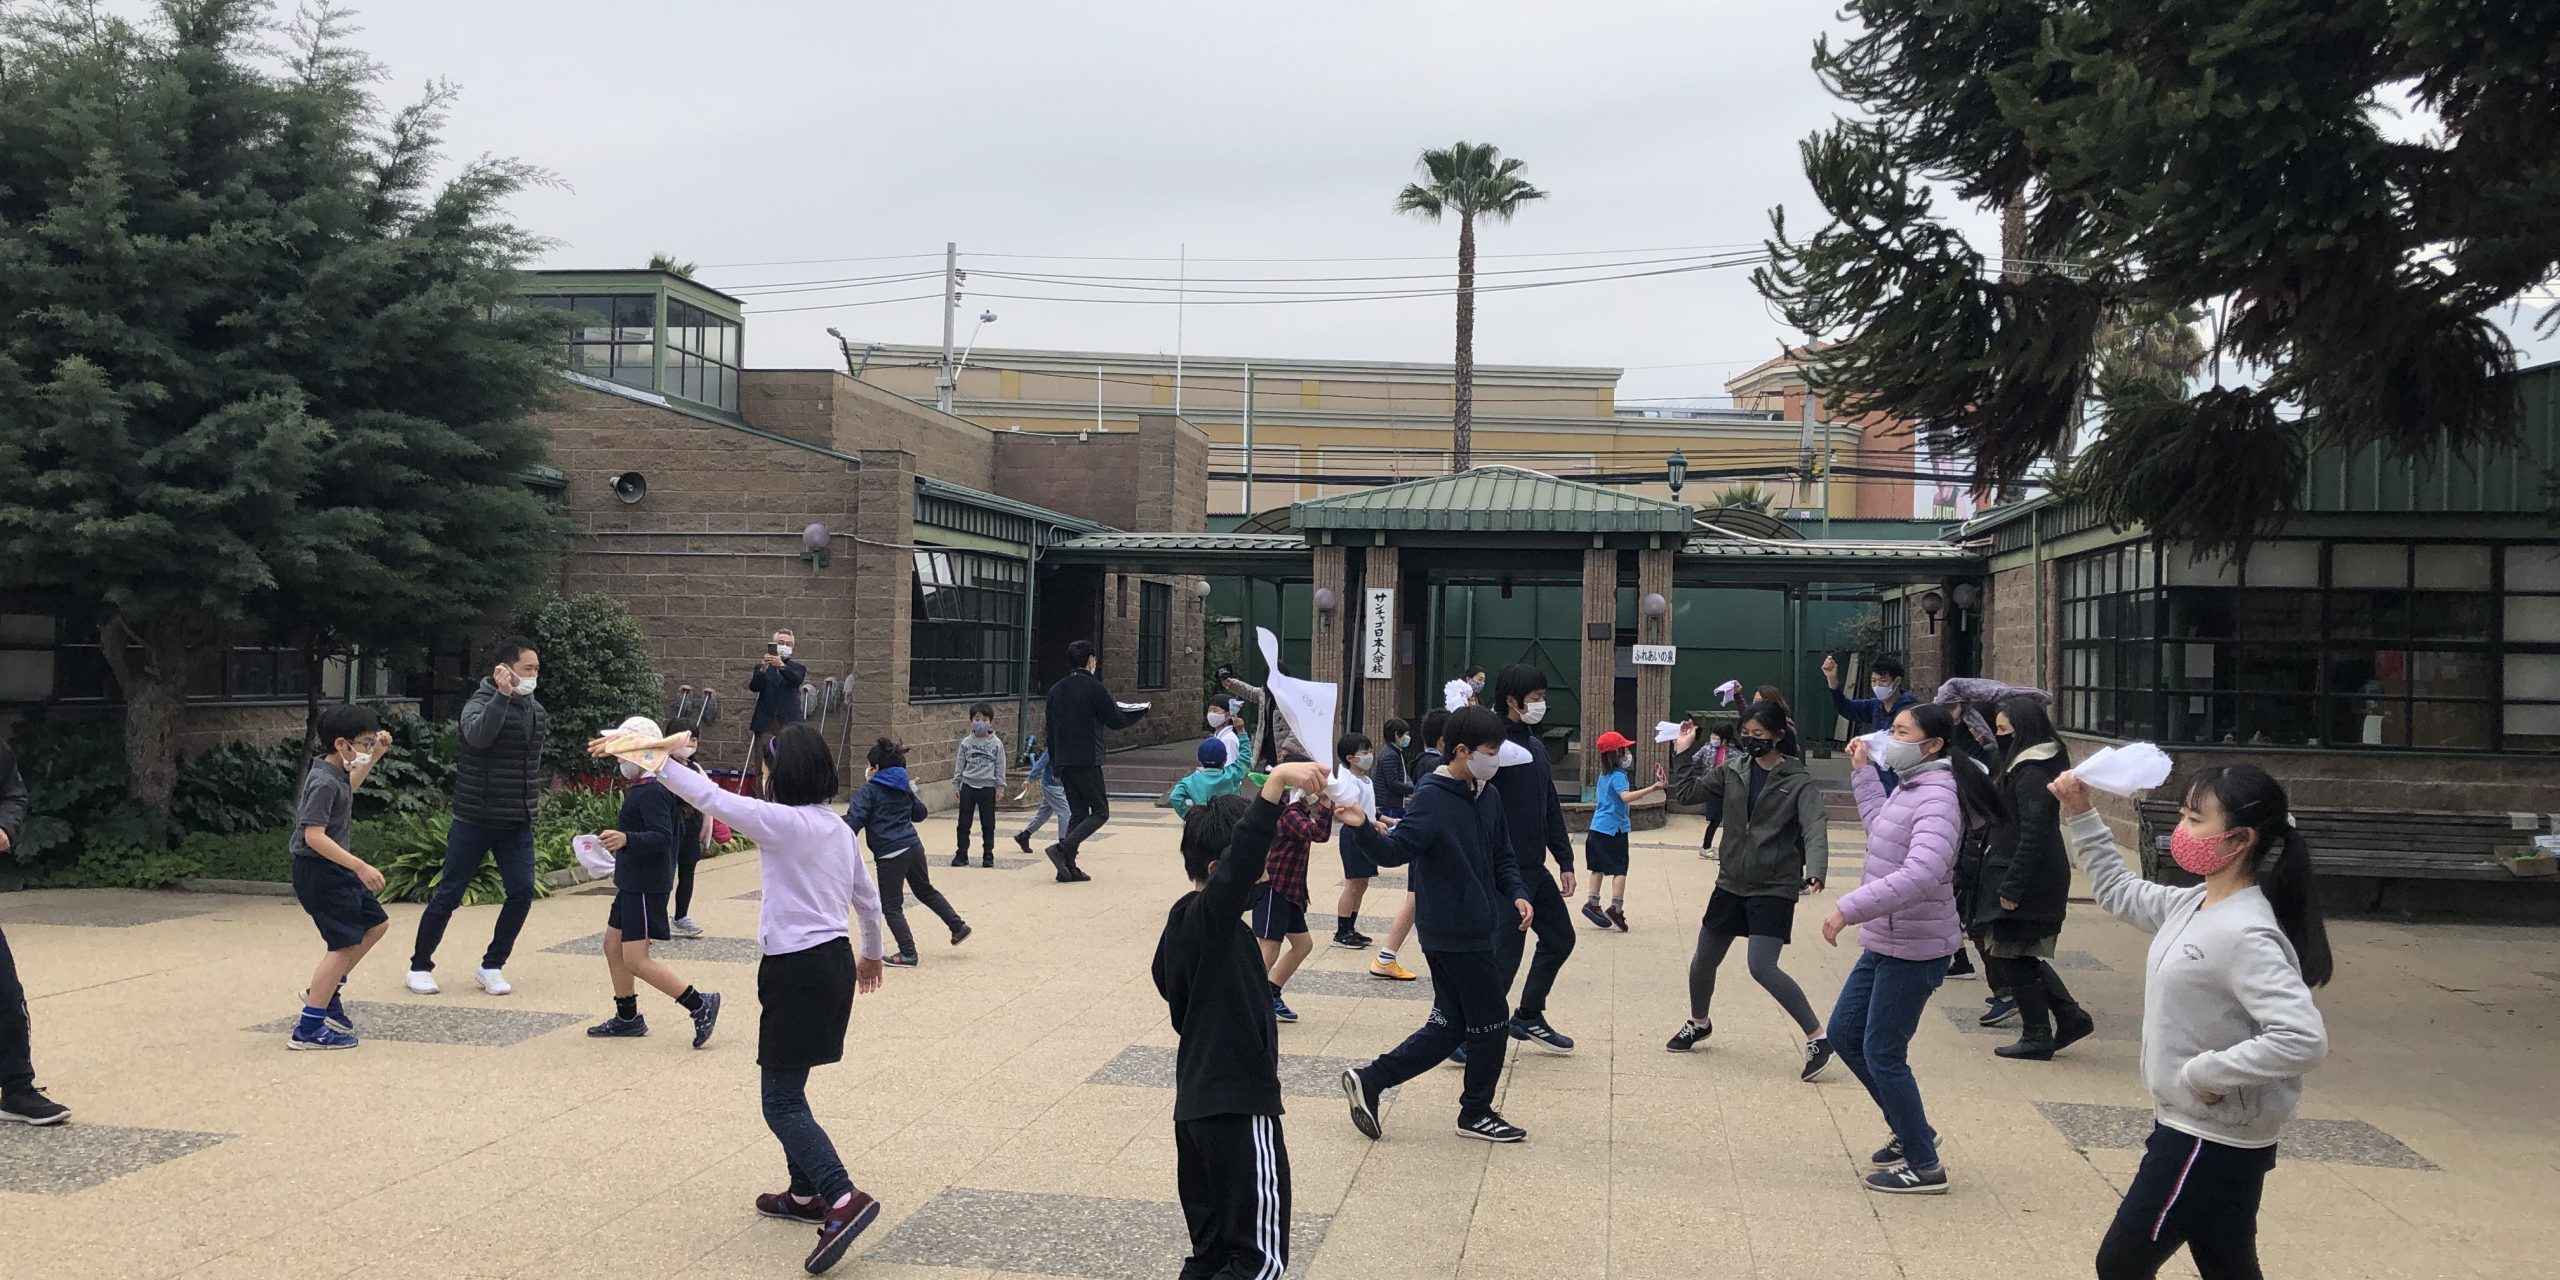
[[989, 862], [900, 960], [1903, 1180], [960, 933], [1360, 941], [705, 1018], [1962, 970], [836, 1231], [1350, 941], [1537, 1032], [27, 1104], [1058, 858], [1591, 911], [1998, 1011], [1490, 1127], [1817, 1059], [620, 1028], [1364, 1104], [1022, 840], [960, 859], [1688, 1036]]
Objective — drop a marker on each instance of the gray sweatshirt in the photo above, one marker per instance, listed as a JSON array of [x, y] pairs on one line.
[[2224, 1007], [981, 760]]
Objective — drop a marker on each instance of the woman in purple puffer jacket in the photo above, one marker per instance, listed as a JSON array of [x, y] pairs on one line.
[[1905, 907]]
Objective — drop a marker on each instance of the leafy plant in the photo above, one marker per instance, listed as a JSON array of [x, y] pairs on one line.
[[115, 866], [239, 786], [568, 812], [595, 672], [1749, 497], [74, 769], [408, 848], [418, 773], [248, 855]]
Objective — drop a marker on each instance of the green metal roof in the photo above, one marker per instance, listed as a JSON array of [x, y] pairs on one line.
[[927, 486], [1493, 500]]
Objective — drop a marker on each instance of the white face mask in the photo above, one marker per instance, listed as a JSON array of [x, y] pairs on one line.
[[1363, 760], [1217, 718], [630, 770], [524, 684], [782, 650], [979, 726], [359, 759], [684, 753], [1884, 692], [1533, 712], [1483, 764], [1476, 683], [1898, 755]]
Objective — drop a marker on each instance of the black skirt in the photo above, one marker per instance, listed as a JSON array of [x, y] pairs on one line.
[[1604, 854], [808, 999], [1732, 915]]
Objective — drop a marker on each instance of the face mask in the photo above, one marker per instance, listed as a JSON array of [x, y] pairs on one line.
[[2200, 855], [1884, 692], [1899, 756], [1533, 712], [782, 651], [685, 753], [1363, 760], [1476, 683], [1483, 765], [1404, 742], [524, 684], [630, 770], [2005, 740], [359, 759], [1760, 746], [1217, 718], [979, 726]]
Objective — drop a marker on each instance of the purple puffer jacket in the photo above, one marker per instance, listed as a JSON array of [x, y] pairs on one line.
[[1906, 903]]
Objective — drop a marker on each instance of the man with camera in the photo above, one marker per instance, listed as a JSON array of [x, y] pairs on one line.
[[776, 683]]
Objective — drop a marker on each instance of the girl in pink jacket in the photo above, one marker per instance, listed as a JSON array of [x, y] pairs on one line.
[[1905, 907]]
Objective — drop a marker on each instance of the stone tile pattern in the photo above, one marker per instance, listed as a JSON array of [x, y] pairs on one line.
[[1322, 926], [420, 1023], [1358, 986], [90, 911], [679, 951], [1147, 1066], [2321, 1141], [62, 1159], [1967, 1017], [1059, 1235], [2081, 961]]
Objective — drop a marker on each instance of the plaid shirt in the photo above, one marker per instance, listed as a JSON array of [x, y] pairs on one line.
[[1300, 828]]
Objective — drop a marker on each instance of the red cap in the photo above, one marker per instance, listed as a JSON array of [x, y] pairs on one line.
[[1614, 741]]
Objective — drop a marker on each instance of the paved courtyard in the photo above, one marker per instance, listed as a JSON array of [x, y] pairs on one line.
[[1009, 1102]]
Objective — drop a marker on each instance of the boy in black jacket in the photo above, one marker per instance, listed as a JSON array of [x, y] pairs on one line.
[[1230, 1162], [1469, 893], [643, 842]]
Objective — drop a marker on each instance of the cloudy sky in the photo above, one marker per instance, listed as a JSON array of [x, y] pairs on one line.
[[850, 141]]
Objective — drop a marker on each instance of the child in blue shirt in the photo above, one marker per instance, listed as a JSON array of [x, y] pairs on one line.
[[1053, 798], [1604, 850]]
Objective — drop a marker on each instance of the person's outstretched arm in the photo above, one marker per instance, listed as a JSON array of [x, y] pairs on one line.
[[2124, 895]]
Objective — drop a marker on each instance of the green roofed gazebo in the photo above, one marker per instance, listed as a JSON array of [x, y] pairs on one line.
[[1490, 500]]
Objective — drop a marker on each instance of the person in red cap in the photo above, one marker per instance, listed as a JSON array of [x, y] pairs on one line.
[[1604, 850]]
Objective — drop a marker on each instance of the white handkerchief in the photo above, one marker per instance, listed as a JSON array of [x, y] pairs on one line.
[[592, 855], [1725, 692], [1306, 705], [1665, 731], [1512, 753], [1875, 743], [1135, 706], [2127, 770]]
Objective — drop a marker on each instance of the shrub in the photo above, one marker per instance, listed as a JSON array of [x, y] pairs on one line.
[[75, 775], [566, 813], [595, 673], [248, 855], [239, 787], [115, 866], [408, 848], [418, 774]]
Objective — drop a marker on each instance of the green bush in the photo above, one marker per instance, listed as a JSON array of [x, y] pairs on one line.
[[408, 848], [238, 787], [248, 855], [595, 673], [114, 866], [568, 812], [75, 775], [418, 774]]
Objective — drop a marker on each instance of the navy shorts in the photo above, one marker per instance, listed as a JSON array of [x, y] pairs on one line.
[[339, 904], [640, 915], [1275, 917], [1355, 865]]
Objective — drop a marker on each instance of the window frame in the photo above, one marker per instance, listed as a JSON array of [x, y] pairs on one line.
[[1155, 635], [969, 625]]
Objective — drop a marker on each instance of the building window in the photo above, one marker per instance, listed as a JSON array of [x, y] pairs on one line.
[[1155, 634], [2337, 643], [1894, 636], [50, 659], [967, 632], [702, 356], [612, 336]]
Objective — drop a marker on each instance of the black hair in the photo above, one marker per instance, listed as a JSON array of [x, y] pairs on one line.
[[1981, 801], [687, 723], [510, 649], [1518, 680], [1888, 667], [345, 720], [888, 753], [1475, 727], [1079, 653], [2031, 725], [982, 709], [801, 770], [2279, 860], [1435, 726], [1352, 744], [1471, 672], [1771, 716], [1209, 830], [1392, 728]]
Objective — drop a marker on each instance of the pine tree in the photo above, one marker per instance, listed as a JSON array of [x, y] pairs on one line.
[[2230, 160], [260, 380]]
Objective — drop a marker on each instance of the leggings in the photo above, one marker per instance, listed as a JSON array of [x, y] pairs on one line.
[[688, 856], [1764, 970], [2189, 1192], [816, 1170]]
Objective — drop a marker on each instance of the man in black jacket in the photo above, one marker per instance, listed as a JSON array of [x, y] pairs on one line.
[[1081, 710], [497, 785], [776, 683], [1536, 822], [20, 1099]]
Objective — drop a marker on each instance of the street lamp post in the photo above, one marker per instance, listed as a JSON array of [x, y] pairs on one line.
[[1676, 470]]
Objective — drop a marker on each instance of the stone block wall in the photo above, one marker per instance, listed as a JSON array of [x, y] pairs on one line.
[[1096, 478]]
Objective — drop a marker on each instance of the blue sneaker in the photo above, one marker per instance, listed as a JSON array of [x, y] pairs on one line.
[[1280, 1009], [337, 1019], [1998, 1011], [618, 1027], [323, 1036], [1537, 1032], [1459, 1055], [705, 1018]]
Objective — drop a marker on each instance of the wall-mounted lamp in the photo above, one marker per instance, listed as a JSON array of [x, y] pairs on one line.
[[1933, 604], [1654, 607], [813, 547], [1676, 470], [1202, 588], [1967, 597], [1325, 601]]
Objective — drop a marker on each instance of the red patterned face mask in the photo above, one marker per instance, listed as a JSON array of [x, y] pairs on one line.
[[2200, 855]]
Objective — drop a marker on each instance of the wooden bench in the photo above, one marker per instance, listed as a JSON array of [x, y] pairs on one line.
[[2384, 844]]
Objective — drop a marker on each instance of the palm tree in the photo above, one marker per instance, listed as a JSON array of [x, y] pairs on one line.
[[666, 262], [1474, 181], [1749, 496]]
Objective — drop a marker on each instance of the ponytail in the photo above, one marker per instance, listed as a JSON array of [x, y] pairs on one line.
[[2279, 859]]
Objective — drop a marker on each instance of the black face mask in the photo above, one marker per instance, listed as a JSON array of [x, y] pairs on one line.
[[2006, 740], [1758, 747]]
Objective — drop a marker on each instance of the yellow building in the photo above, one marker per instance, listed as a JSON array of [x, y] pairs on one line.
[[1307, 421]]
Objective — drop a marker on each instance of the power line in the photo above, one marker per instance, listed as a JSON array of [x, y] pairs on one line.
[[1064, 278], [1410, 257], [1422, 397], [1375, 296], [839, 306]]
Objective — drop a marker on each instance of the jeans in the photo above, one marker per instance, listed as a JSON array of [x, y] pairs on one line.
[[899, 872], [816, 1169], [1466, 1006], [980, 803], [465, 845], [17, 1055], [1088, 804], [1553, 924], [1053, 804], [1871, 1027]]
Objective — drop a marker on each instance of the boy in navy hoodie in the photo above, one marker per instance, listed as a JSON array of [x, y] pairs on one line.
[[1468, 892], [884, 814]]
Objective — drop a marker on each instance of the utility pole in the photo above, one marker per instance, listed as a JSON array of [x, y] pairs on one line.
[[1248, 438], [950, 380]]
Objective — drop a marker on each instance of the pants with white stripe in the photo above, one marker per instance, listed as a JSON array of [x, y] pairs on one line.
[[2191, 1192], [1234, 1177]]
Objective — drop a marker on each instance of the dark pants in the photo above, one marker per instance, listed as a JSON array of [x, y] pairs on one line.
[[816, 1169], [1466, 1008], [1233, 1172], [1088, 804], [1871, 1028], [688, 856], [17, 1053], [1554, 926], [465, 845], [899, 874], [2189, 1192], [979, 803]]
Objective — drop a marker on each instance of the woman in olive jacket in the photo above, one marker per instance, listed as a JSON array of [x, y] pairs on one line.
[[2022, 890]]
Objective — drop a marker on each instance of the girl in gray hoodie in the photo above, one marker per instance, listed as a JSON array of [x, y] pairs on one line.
[[2228, 1025]]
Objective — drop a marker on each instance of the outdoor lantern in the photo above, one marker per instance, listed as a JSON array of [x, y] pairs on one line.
[[1967, 596], [1654, 605], [813, 546], [1201, 588], [1933, 604], [1676, 470], [1325, 600]]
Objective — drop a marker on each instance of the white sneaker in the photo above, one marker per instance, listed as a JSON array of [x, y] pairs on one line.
[[684, 927], [422, 983], [493, 981]]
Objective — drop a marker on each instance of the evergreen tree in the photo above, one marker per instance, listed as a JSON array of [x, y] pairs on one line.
[[260, 379], [2233, 160]]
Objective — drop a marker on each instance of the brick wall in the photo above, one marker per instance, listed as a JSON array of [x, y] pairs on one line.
[[2009, 626], [825, 407], [1599, 657], [1173, 461], [1096, 478], [1178, 705]]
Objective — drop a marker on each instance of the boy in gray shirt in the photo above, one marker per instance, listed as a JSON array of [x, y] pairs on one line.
[[334, 885], [979, 772]]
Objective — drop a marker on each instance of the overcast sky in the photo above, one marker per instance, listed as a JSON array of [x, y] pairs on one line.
[[791, 130]]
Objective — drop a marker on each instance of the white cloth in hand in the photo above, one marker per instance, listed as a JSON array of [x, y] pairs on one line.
[[2127, 770]]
